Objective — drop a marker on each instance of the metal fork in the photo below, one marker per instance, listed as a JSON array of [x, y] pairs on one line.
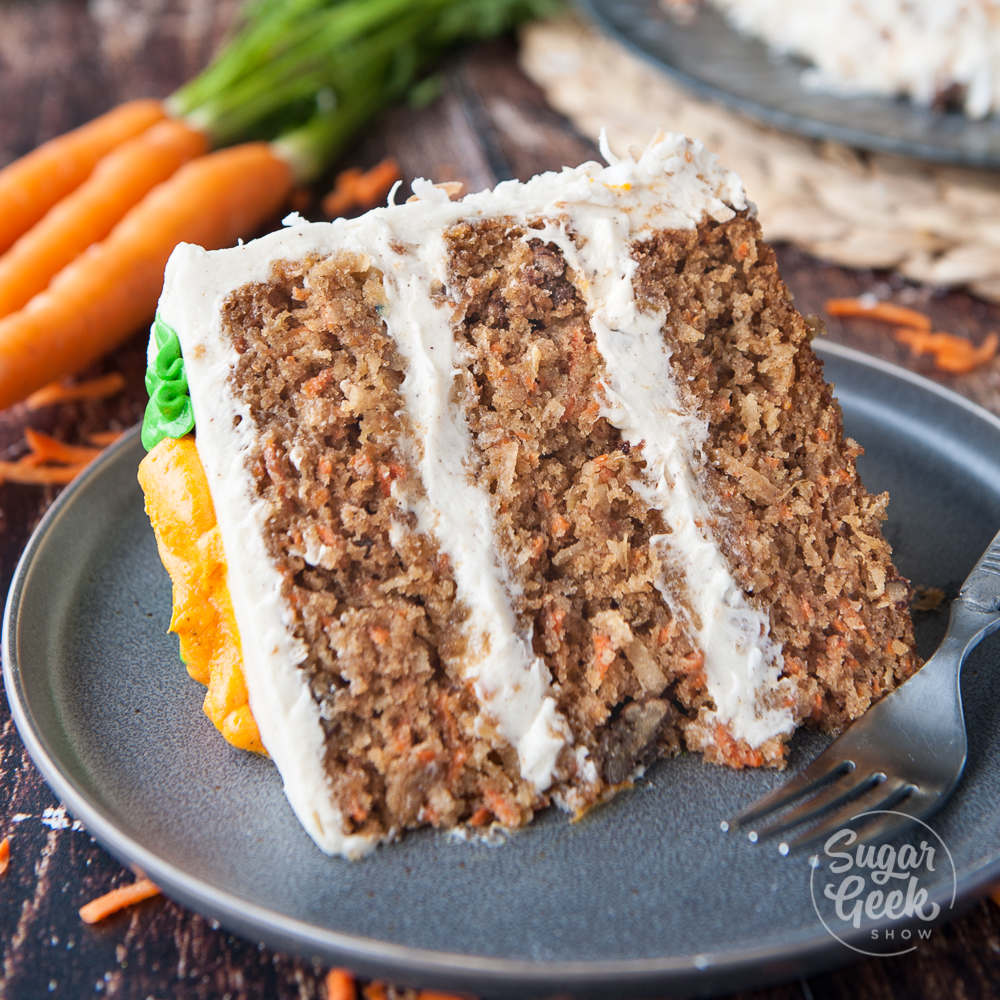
[[907, 751]]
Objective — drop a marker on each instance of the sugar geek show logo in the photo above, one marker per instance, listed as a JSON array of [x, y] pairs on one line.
[[876, 898]]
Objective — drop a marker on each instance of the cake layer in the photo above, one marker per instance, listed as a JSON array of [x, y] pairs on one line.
[[520, 491]]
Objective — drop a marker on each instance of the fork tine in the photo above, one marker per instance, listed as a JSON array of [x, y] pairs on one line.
[[818, 774], [829, 796], [884, 795], [919, 804]]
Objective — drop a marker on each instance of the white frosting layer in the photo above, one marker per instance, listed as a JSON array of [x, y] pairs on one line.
[[674, 183], [511, 683], [915, 47], [286, 714]]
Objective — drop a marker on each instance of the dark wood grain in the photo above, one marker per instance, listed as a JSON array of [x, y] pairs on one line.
[[63, 61]]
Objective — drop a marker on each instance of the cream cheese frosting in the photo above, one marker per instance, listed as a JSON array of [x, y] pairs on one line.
[[593, 213]]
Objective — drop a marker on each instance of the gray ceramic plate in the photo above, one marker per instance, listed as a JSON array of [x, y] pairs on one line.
[[644, 893], [716, 62]]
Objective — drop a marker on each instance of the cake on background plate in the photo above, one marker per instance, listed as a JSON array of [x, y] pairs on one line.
[[495, 501], [939, 52]]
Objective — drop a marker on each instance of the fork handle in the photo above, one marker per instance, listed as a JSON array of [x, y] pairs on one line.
[[975, 613], [981, 590]]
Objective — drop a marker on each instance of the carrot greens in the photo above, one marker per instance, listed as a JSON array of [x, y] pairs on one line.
[[314, 71]]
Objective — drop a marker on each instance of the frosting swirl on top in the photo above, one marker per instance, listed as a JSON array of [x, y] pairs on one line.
[[168, 412]]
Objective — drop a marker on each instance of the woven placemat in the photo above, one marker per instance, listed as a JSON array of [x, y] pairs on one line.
[[939, 225]]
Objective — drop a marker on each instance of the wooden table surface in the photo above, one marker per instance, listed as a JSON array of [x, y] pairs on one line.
[[63, 61]]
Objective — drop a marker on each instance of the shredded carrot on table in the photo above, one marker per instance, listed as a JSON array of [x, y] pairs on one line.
[[28, 472], [355, 188], [883, 312], [49, 449], [117, 899], [60, 392], [103, 438], [4, 855], [340, 985], [953, 354]]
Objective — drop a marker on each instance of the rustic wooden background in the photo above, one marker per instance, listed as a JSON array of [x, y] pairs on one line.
[[63, 61]]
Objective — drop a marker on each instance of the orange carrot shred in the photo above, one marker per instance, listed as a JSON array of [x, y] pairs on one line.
[[4, 855], [340, 985], [360, 189], [953, 354], [103, 438], [437, 995], [375, 991], [883, 312], [49, 449], [27, 472], [117, 899], [59, 392]]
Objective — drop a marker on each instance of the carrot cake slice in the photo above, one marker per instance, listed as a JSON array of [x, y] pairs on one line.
[[473, 506]]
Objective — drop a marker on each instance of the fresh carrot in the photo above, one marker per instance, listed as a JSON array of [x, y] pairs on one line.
[[4, 855], [883, 312], [88, 214], [93, 304], [30, 186], [340, 985], [49, 449], [63, 392], [117, 899]]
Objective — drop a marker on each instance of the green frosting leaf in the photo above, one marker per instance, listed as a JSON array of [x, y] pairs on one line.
[[168, 412]]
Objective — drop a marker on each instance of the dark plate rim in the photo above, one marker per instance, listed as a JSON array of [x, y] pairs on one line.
[[792, 121], [699, 973]]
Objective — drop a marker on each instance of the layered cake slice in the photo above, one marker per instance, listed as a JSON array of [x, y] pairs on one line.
[[494, 501]]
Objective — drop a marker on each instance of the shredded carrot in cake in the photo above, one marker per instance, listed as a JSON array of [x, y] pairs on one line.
[[356, 188], [117, 899], [4, 855], [883, 312], [340, 985], [61, 392]]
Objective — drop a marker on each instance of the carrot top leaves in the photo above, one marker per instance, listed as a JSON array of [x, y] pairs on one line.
[[314, 71]]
